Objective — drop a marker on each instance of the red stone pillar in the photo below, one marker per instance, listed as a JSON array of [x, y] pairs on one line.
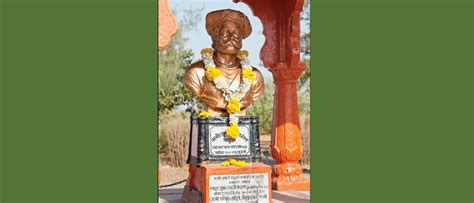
[[286, 145]]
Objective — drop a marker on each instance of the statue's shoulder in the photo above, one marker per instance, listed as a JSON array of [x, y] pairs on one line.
[[257, 73], [256, 70], [195, 70], [197, 66]]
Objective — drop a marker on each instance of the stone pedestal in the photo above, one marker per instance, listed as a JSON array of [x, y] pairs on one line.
[[209, 180], [216, 183]]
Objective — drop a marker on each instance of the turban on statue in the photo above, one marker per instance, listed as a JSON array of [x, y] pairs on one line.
[[215, 19]]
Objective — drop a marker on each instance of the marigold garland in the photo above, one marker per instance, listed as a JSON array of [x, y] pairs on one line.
[[233, 98], [241, 163], [249, 75], [234, 162], [233, 106], [233, 131], [212, 73], [226, 163], [204, 114]]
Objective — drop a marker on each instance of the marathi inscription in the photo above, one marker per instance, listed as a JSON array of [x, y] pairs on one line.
[[239, 188], [222, 145]]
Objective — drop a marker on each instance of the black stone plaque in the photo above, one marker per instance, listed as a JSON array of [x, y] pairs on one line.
[[209, 142]]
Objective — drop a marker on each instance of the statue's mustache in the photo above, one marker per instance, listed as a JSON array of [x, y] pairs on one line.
[[235, 44]]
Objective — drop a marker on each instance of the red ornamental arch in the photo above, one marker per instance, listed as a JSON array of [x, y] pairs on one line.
[[167, 26]]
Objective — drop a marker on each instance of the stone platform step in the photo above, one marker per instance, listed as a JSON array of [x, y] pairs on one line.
[[172, 195]]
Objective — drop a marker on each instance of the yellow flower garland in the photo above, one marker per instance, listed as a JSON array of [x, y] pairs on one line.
[[212, 73], [204, 114], [249, 74], [233, 106], [226, 163], [234, 162], [233, 131]]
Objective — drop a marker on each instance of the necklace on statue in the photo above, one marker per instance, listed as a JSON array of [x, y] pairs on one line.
[[224, 66]]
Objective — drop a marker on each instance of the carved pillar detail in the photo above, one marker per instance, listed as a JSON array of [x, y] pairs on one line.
[[286, 144]]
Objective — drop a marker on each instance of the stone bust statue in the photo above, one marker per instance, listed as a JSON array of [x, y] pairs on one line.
[[227, 29]]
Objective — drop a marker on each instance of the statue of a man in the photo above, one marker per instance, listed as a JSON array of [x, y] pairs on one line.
[[227, 28]]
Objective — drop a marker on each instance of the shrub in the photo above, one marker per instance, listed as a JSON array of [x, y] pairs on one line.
[[305, 139], [263, 108], [175, 129]]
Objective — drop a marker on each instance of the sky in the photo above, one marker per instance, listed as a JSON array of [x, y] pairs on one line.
[[199, 39]]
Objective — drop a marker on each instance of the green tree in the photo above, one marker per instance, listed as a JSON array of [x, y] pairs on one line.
[[173, 62], [263, 108], [305, 53], [305, 48]]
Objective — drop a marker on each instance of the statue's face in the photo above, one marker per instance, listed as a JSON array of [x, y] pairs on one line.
[[228, 39]]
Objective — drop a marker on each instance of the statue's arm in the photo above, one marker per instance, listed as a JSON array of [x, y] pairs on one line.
[[259, 86], [256, 91], [192, 80]]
